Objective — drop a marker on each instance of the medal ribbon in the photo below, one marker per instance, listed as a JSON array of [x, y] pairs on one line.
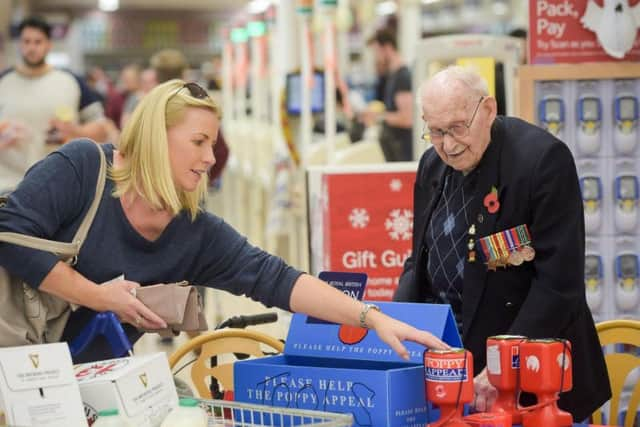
[[504, 247], [485, 248], [523, 234], [502, 244], [510, 241], [495, 241]]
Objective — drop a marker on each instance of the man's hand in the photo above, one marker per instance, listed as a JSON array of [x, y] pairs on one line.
[[66, 129], [485, 393], [373, 113], [11, 133]]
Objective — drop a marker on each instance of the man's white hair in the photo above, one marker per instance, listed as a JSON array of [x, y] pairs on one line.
[[455, 74]]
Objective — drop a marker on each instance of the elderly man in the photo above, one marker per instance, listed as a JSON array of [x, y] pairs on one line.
[[488, 175]]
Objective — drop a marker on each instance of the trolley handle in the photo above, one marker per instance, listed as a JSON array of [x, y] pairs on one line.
[[237, 322], [244, 321]]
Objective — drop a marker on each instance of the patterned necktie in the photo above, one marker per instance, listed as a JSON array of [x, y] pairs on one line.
[[446, 238]]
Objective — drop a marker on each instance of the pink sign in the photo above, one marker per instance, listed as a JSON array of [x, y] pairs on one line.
[[563, 31]]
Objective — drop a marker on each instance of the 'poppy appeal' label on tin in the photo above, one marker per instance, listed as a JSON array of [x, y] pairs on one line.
[[445, 370]]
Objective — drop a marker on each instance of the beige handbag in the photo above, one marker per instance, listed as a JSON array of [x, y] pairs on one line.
[[178, 304], [29, 316]]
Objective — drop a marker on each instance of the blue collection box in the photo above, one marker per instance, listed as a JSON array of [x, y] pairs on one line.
[[327, 367]]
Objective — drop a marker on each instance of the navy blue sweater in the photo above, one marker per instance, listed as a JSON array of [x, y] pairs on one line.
[[53, 199]]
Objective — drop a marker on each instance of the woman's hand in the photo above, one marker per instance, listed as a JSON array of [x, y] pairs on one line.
[[319, 299], [393, 332], [119, 296], [116, 295]]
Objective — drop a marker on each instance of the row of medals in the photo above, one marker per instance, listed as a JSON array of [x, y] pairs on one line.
[[515, 257]]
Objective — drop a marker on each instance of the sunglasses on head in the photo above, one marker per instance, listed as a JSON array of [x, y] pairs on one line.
[[195, 90]]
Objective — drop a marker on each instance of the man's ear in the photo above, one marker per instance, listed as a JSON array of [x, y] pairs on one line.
[[491, 106]]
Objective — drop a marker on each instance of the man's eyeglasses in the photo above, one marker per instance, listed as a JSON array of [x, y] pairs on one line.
[[456, 131], [195, 90]]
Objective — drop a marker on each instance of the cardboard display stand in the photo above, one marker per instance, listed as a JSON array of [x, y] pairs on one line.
[[362, 221], [334, 368]]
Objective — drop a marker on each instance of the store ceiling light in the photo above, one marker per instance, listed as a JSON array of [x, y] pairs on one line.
[[386, 8], [258, 6], [500, 8], [108, 5], [429, 1]]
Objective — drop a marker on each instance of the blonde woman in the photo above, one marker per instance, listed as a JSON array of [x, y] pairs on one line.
[[151, 228]]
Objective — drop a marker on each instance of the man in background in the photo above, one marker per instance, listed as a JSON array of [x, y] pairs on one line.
[[165, 65], [397, 119], [112, 99], [147, 81], [168, 64], [129, 85], [48, 105]]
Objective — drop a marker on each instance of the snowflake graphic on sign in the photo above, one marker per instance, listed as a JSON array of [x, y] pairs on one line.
[[399, 224], [395, 185], [359, 218]]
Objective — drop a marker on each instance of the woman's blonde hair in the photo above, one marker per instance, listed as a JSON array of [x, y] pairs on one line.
[[144, 146]]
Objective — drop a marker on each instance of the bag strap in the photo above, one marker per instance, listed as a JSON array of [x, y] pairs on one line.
[[63, 248], [81, 234]]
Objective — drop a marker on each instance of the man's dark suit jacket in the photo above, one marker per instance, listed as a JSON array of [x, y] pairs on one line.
[[537, 185]]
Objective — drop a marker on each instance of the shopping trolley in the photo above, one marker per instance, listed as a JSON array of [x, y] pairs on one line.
[[223, 413]]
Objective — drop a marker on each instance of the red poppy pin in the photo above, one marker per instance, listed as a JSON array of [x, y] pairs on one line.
[[491, 201]]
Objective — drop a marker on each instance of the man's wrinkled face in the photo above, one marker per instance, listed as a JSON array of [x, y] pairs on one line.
[[459, 125], [34, 47]]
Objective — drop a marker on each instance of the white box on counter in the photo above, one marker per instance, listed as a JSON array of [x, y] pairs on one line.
[[140, 387], [38, 387]]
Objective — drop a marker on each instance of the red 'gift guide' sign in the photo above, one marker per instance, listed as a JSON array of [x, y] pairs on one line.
[[556, 34], [368, 227]]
